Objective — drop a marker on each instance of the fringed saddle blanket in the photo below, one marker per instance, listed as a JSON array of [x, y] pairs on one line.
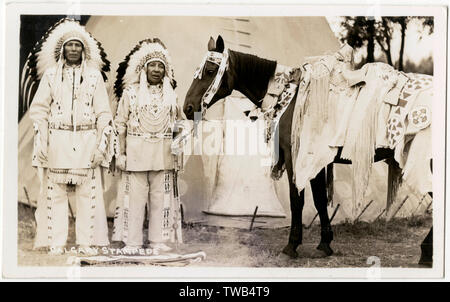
[[321, 116], [360, 111], [400, 107]]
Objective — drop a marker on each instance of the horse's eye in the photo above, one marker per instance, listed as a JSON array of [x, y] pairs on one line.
[[210, 71]]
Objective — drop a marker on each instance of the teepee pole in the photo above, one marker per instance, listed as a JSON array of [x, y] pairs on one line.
[[253, 218], [418, 206], [381, 214], [401, 205], [310, 224], [335, 211], [362, 212], [33, 222], [428, 207]]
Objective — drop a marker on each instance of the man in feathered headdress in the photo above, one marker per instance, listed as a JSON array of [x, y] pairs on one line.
[[73, 124], [146, 119]]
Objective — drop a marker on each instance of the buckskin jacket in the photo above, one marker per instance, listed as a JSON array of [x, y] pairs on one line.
[[70, 122], [146, 130]]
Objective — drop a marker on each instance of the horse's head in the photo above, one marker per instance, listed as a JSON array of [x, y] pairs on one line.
[[210, 82]]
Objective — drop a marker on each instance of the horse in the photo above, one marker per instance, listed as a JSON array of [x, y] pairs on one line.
[[250, 75]]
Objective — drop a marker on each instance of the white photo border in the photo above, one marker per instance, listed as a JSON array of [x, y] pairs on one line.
[[10, 76]]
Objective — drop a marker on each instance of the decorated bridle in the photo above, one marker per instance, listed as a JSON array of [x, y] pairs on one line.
[[220, 59]]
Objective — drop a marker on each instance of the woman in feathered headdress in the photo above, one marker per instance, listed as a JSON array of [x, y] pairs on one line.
[[72, 120], [146, 119]]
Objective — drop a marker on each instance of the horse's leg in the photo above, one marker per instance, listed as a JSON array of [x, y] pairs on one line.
[[318, 187], [426, 256], [330, 183], [296, 201]]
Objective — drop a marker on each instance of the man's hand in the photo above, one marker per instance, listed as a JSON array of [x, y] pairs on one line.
[[42, 153], [97, 158], [40, 142], [121, 162]]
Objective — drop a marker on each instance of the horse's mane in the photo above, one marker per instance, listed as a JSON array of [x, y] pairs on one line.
[[252, 69]]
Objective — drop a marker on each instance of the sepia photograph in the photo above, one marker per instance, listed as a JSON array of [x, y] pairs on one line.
[[239, 141]]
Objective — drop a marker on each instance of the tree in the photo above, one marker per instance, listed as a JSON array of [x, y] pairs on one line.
[[366, 31], [358, 32], [383, 37]]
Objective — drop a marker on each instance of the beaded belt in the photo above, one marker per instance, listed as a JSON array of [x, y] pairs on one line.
[[70, 127], [151, 135]]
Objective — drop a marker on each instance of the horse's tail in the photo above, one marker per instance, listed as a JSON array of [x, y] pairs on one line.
[[394, 181]]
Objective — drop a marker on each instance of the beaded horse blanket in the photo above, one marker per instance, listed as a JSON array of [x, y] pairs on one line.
[[407, 112], [360, 111], [280, 92]]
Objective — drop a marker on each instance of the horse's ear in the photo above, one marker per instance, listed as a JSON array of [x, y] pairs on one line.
[[211, 44], [220, 45]]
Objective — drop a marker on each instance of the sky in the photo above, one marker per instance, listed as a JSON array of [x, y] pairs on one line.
[[415, 49]]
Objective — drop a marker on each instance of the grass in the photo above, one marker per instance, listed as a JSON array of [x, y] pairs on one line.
[[396, 243]]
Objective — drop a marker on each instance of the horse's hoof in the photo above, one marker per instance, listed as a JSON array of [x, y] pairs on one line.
[[426, 261], [325, 247], [290, 251], [426, 255]]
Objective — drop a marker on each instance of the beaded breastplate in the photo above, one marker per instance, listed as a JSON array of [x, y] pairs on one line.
[[151, 120]]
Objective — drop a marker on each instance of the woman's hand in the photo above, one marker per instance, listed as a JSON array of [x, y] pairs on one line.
[[97, 158]]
